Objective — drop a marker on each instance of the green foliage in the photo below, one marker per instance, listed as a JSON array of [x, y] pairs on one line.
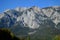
[[8, 35], [57, 37], [5, 34], [28, 37], [45, 35]]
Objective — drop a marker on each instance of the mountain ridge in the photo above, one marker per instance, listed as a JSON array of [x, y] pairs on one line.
[[30, 20], [47, 12]]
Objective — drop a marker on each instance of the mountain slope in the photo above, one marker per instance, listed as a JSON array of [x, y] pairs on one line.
[[28, 21]]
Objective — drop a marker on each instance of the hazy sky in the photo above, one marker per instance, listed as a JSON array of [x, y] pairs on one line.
[[10, 4]]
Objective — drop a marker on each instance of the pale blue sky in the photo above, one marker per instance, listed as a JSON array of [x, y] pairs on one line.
[[10, 4]]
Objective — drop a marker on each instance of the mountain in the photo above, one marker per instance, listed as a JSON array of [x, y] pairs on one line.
[[32, 21]]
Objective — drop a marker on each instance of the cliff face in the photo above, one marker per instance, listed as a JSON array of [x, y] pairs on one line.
[[24, 21]]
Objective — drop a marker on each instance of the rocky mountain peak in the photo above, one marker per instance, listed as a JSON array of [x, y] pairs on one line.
[[32, 17]]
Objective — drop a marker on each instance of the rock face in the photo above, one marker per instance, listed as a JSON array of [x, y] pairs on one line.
[[24, 21]]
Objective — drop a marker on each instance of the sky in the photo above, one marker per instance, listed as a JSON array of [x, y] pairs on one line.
[[11, 4]]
